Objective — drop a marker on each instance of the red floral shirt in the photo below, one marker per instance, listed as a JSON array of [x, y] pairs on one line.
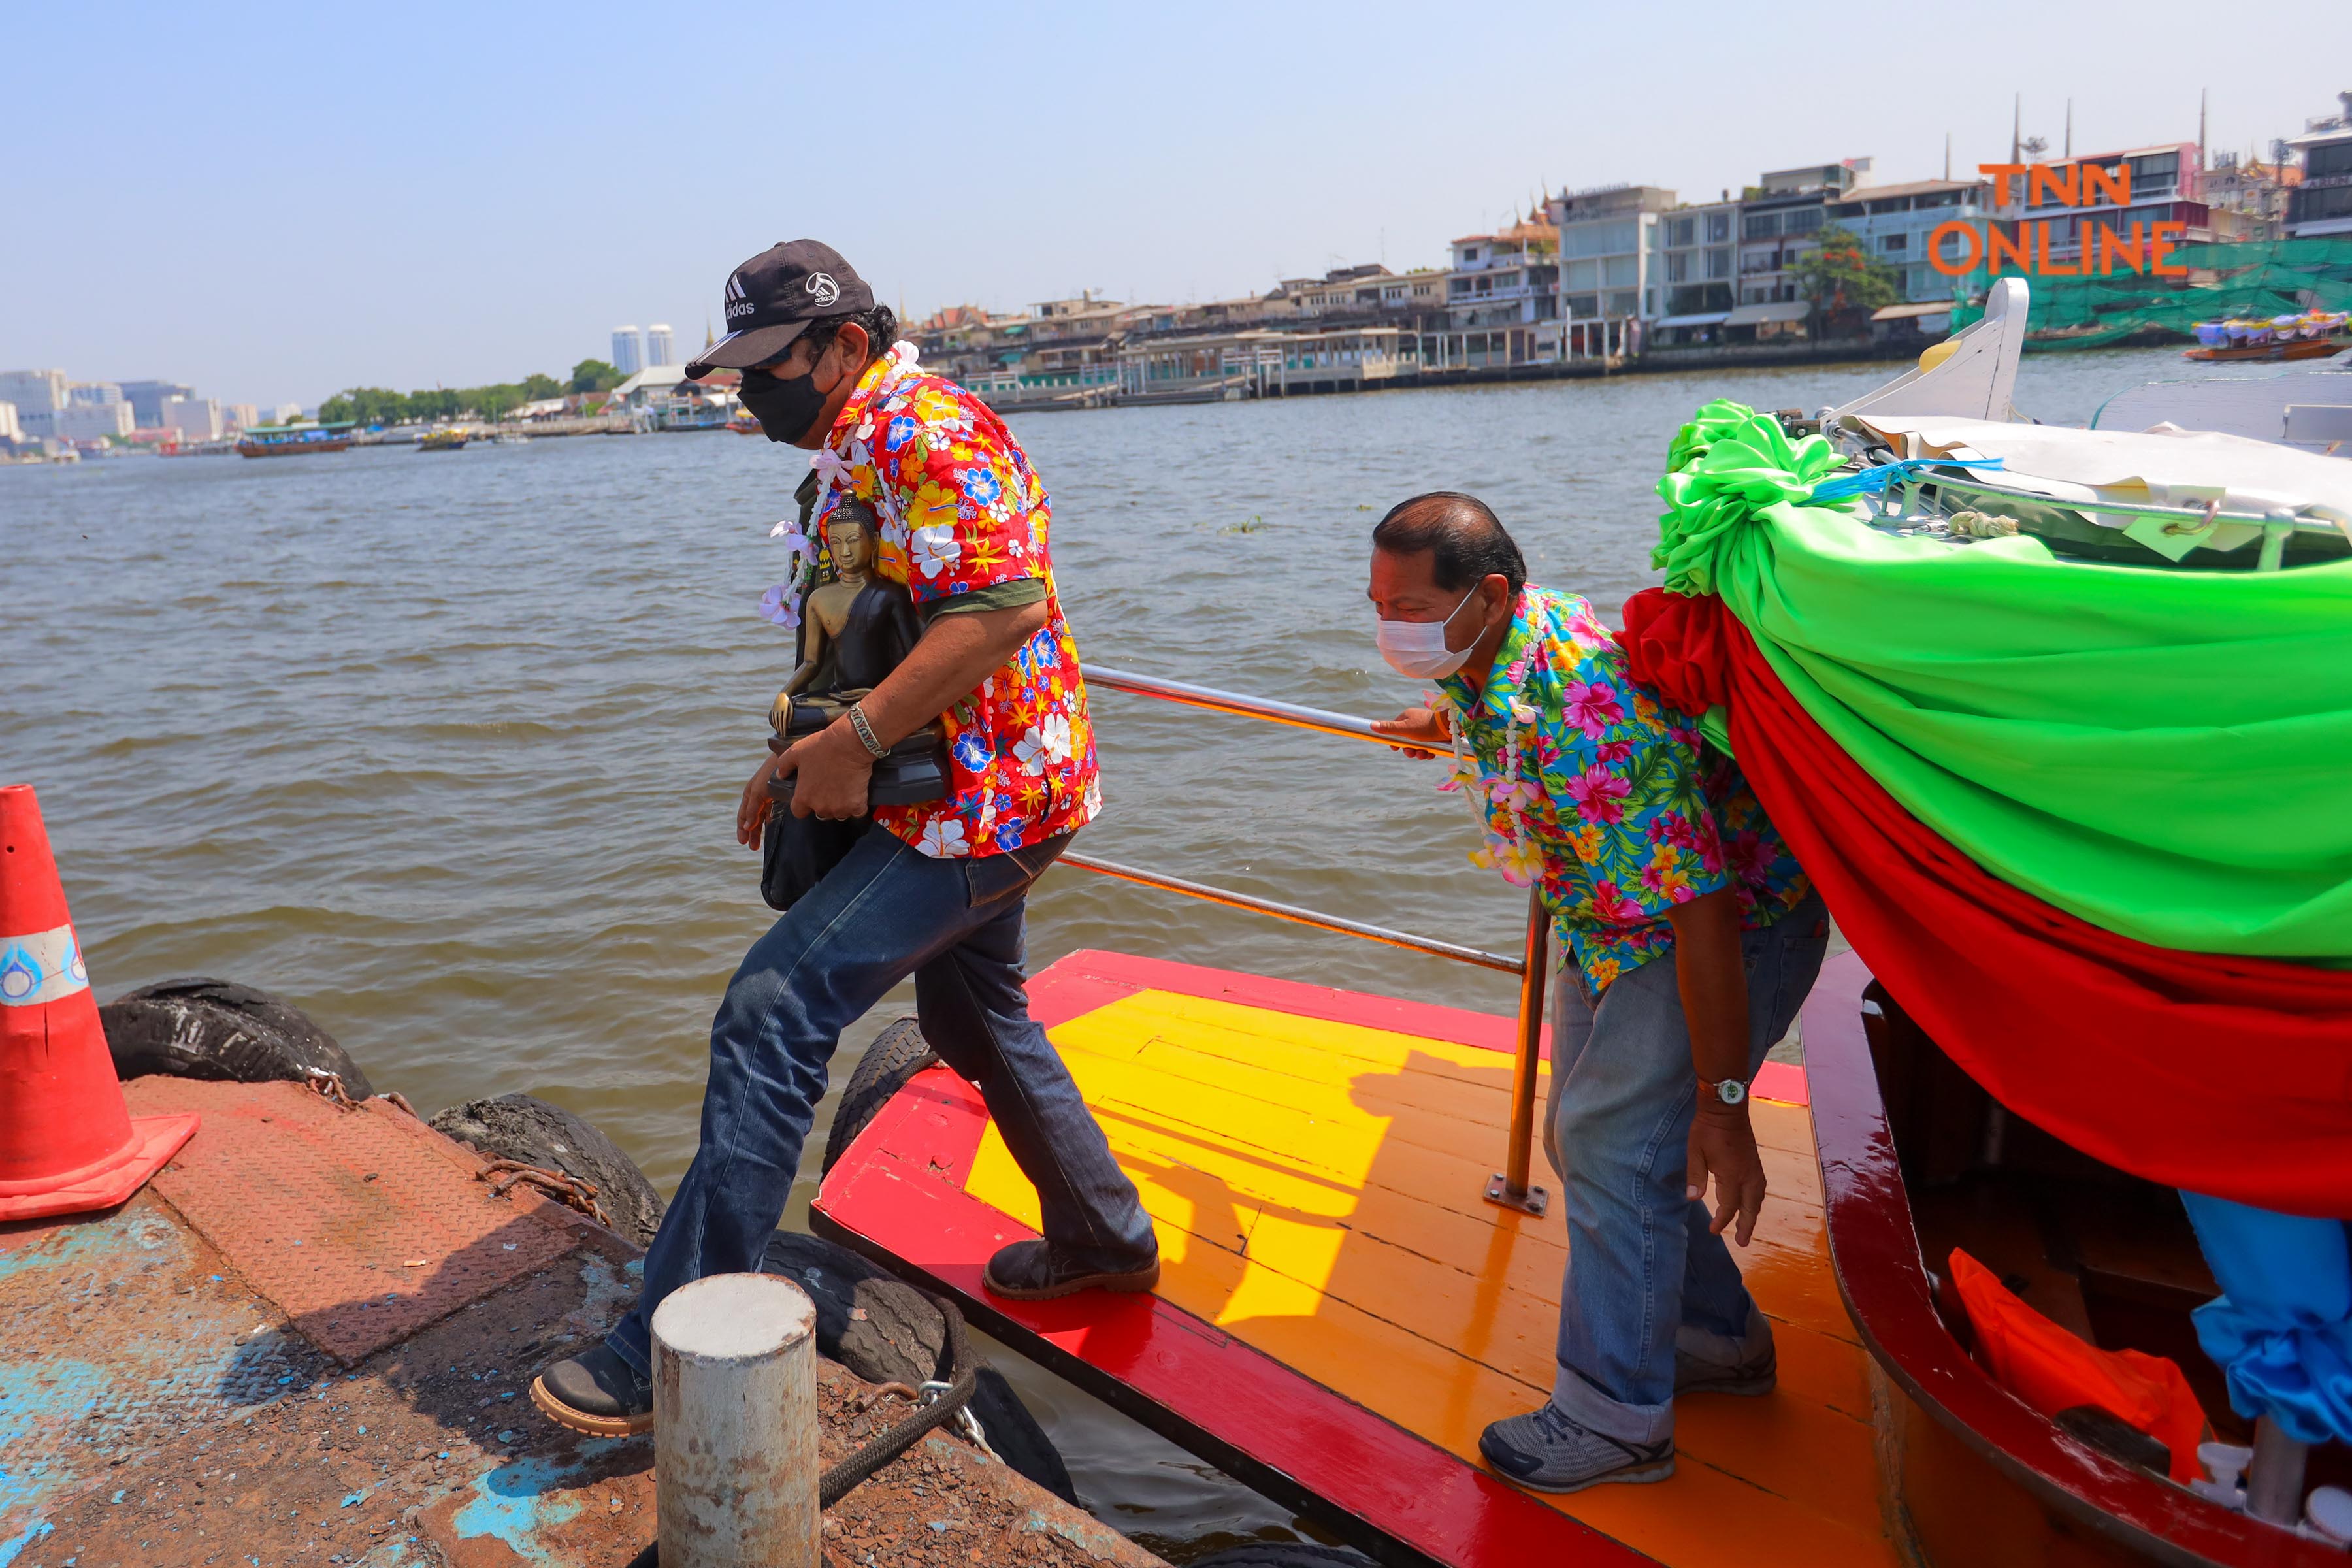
[[959, 510]]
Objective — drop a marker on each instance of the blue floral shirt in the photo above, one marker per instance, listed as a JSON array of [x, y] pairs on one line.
[[1586, 783]]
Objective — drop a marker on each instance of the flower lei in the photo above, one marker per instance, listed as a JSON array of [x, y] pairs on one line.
[[1511, 850], [806, 557]]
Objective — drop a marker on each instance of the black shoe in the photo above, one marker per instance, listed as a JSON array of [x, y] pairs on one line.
[[597, 1392], [1036, 1271]]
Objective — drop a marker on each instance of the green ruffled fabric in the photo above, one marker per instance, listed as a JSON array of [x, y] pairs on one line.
[[2165, 753], [1724, 467]]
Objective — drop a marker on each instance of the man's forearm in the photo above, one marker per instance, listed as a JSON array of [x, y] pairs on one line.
[[1712, 978], [954, 654]]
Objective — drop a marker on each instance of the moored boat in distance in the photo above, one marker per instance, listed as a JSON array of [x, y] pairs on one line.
[[2314, 335], [294, 440], [450, 440], [2300, 348]]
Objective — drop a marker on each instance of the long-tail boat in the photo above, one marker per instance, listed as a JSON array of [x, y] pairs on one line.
[[1351, 1288], [294, 440]]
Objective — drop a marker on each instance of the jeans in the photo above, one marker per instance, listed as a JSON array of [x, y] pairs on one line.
[[885, 912], [1643, 1271]]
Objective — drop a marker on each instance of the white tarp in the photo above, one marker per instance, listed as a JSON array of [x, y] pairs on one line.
[[2165, 465]]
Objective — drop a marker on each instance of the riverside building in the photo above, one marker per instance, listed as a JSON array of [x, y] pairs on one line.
[[2165, 187], [628, 351], [1894, 223], [2322, 203], [1610, 270], [1502, 299], [37, 396], [1698, 256]]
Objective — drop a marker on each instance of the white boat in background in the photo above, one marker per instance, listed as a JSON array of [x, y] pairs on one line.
[[2173, 472]]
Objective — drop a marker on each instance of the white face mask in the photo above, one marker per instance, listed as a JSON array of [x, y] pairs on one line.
[[1417, 649]]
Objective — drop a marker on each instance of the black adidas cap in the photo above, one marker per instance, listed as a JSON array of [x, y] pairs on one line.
[[772, 298]]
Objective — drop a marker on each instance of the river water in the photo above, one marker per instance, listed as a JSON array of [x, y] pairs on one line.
[[445, 748]]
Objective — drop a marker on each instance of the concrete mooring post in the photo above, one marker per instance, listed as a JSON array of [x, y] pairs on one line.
[[735, 1424]]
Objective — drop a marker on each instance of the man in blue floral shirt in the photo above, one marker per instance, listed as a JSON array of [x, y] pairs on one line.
[[1691, 938]]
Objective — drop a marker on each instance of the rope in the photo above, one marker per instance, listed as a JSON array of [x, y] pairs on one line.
[[946, 1400], [505, 1174], [895, 1439], [1877, 480]]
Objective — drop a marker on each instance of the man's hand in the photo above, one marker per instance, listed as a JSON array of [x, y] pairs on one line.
[[1426, 725], [752, 812], [1712, 977], [1723, 1145], [831, 770]]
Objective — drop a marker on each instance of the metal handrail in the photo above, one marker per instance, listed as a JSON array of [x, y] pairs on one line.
[[1510, 1187], [1293, 913], [1319, 719]]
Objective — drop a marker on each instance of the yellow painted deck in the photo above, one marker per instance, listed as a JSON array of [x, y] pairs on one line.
[[1315, 1186]]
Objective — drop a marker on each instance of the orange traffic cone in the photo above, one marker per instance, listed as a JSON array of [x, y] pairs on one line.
[[67, 1142]]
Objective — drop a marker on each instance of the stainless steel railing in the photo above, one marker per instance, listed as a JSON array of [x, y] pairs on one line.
[[1511, 1186]]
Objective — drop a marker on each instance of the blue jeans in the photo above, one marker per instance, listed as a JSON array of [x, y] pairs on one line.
[[1643, 1271], [885, 912]]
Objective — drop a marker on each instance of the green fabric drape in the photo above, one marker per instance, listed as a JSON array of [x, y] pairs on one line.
[[2167, 754]]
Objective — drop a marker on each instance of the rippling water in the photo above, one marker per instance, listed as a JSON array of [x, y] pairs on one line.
[[446, 748]]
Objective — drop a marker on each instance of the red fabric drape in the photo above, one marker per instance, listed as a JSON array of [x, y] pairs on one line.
[[2223, 1075]]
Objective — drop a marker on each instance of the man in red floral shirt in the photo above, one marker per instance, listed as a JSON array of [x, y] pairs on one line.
[[937, 891]]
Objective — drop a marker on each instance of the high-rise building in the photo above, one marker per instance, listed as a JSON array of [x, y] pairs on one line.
[[38, 394], [10, 431], [99, 392], [146, 400], [241, 415], [195, 418], [82, 420], [628, 351], [287, 413], [659, 350]]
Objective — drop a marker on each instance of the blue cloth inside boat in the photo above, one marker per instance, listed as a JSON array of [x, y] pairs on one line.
[[2281, 1327]]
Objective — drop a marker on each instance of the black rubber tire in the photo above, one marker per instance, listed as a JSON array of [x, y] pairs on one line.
[[217, 1030], [898, 1054], [523, 1127], [1283, 1555]]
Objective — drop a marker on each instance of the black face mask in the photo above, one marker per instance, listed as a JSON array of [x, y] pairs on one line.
[[785, 407]]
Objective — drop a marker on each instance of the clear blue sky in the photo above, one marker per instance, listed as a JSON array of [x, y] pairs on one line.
[[274, 203]]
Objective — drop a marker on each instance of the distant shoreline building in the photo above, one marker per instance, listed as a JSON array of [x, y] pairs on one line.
[[628, 351], [1895, 222], [659, 349], [2321, 203], [146, 400], [38, 395]]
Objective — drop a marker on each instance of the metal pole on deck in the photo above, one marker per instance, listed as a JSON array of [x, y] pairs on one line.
[[1511, 1186], [735, 1424]]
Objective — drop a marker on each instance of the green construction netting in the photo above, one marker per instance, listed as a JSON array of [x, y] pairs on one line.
[[2225, 281], [2161, 753]]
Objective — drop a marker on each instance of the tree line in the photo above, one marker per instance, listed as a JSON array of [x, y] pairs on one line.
[[382, 406]]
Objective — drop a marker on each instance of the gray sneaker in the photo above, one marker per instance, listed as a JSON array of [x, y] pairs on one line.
[[1546, 1451]]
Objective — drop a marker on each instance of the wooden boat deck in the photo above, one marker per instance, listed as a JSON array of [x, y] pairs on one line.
[[1341, 1312]]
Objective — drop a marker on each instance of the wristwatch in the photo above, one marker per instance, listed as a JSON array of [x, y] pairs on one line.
[[1730, 1091]]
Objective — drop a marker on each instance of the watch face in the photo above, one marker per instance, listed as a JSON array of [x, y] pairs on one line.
[[1731, 1091]]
